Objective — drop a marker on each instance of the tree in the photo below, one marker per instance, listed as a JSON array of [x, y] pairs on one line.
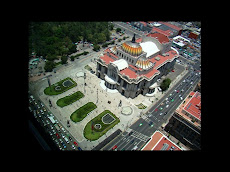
[[118, 29], [111, 26], [96, 47], [63, 59], [165, 84], [101, 38], [49, 66]]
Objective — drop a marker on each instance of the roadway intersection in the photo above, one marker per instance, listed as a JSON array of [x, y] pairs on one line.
[[136, 136]]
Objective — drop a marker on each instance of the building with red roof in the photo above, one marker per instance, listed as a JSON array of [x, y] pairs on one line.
[[133, 67], [166, 29], [159, 141]]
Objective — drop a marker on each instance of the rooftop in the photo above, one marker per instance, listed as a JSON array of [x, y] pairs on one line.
[[121, 64], [160, 37], [191, 105], [194, 105], [157, 61], [149, 47], [159, 141]]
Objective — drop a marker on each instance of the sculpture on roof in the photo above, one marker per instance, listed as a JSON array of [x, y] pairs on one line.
[[133, 39]]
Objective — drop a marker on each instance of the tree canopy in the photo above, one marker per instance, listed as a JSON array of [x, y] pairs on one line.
[[58, 38], [165, 84]]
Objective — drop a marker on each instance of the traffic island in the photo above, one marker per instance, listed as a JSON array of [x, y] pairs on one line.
[[106, 120]]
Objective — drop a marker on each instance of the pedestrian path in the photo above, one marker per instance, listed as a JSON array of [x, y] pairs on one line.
[[140, 136]]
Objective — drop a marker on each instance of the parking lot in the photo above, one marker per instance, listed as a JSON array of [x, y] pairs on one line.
[[58, 133]]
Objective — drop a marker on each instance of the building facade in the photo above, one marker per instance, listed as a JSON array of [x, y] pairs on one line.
[[133, 67]]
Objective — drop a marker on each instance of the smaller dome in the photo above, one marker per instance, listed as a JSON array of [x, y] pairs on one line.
[[143, 63]]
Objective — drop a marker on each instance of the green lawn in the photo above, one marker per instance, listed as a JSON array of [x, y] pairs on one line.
[[51, 90], [81, 112], [97, 133], [141, 106], [69, 99]]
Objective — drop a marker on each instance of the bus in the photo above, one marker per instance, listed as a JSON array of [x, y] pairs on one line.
[[52, 119]]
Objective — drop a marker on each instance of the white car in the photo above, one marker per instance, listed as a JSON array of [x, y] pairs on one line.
[[161, 114], [167, 106], [181, 98]]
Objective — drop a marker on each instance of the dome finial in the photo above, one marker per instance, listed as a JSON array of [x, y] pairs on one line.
[[133, 40]]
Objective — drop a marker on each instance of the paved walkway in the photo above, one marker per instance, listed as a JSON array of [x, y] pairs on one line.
[[100, 96]]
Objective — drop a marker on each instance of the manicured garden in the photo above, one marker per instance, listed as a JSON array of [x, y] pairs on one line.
[[60, 86], [82, 112], [141, 106], [94, 133], [69, 99]]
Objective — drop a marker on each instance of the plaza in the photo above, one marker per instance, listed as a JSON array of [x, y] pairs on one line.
[[102, 97], [125, 109]]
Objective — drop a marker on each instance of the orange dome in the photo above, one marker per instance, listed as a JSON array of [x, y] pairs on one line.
[[132, 48]]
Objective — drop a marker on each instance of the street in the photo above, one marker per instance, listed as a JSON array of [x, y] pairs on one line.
[[143, 128]]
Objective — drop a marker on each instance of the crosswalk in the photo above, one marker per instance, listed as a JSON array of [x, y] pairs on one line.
[[140, 136]]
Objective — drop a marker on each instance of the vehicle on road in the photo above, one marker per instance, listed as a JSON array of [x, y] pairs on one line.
[[114, 147], [57, 135], [67, 141], [57, 127]]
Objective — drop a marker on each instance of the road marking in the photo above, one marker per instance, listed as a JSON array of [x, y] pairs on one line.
[[140, 136]]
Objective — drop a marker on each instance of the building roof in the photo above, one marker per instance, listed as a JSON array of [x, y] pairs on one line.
[[143, 63], [186, 107], [193, 106], [159, 141], [132, 48], [128, 72], [107, 59], [171, 26], [157, 61], [121, 64], [160, 37], [149, 47]]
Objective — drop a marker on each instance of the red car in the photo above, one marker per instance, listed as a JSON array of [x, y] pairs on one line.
[[115, 147], [57, 135], [75, 143], [156, 110]]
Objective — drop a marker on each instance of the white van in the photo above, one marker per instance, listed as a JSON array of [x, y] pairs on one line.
[[67, 141]]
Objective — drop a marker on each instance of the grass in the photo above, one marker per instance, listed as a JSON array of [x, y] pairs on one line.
[[65, 101], [51, 90], [141, 106], [97, 133], [82, 112]]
